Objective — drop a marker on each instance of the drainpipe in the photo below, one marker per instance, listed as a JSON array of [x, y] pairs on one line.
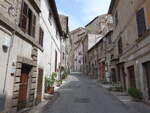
[[10, 48]]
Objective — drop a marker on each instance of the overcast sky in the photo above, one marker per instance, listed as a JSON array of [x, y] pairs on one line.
[[81, 12]]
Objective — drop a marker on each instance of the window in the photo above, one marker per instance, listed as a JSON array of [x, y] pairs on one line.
[[63, 55], [148, 17], [109, 40], [55, 61], [141, 24], [24, 17], [50, 17], [85, 59], [79, 61], [27, 20], [41, 35], [112, 56], [120, 51], [116, 18]]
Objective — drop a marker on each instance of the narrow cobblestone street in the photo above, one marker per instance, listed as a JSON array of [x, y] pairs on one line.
[[81, 95]]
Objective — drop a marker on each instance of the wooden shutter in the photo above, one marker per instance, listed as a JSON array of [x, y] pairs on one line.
[[148, 17], [24, 17], [116, 18], [120, 46], [30, 22], [141, 24], [55, 61], [41, 34], [33, 25]]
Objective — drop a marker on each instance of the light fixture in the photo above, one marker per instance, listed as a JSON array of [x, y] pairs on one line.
[[6, 44]]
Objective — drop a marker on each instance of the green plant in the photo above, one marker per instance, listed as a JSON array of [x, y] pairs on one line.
[[135, 93], [54, 75], [50, 80], [64, 75]]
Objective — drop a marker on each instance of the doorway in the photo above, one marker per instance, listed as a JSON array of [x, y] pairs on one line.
[[113, 76], [147, 70], [132, 77], [39, 86], [23, 89]]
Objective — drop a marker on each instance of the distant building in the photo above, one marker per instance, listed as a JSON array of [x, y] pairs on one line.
[[99, 23], [77, 36], [96, 30]]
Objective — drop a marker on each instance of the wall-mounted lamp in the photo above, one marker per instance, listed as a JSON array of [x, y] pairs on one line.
[[6, 44]]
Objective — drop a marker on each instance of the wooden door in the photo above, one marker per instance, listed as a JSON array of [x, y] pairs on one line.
[[132, 77], [147, 69], [23, 86], [39, 86], [113, 76]]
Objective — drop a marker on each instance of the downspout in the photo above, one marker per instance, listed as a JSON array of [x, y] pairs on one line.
[[10, 48]]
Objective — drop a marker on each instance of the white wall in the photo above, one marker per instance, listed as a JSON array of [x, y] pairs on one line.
[[51, 42], [19, 48]]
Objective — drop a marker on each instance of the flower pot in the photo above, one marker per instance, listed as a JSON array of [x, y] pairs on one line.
[[51, 90], [58, 85]]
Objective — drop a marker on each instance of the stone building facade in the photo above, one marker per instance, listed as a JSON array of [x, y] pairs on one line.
[[77, 36], [131, 43], [99, 23], [19, 31]]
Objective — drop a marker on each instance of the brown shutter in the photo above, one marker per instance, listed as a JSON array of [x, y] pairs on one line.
[[41, 34], [141, 24], [33, 25], [24, 17], [148, 17], [30, 22], [120, 50]]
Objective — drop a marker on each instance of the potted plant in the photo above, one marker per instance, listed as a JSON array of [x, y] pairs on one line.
[[50, 83], [135, 93], [58, 83]]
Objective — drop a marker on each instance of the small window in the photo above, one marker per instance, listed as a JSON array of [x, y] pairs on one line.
[[50, 17], [120, 50], [55, 61], [141, 24], [63, 55], [41, 35], [116, 18]]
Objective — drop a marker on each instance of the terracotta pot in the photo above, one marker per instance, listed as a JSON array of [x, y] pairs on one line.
[[51, 90]]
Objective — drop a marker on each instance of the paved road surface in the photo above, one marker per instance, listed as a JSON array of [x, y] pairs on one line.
[[81, 95]]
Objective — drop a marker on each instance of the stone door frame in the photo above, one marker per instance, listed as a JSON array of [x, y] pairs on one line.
[[32, 81]]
